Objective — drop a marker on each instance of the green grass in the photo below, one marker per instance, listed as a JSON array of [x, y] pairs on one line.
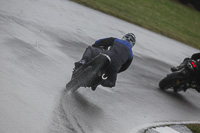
[[167, 17], [195, 128]]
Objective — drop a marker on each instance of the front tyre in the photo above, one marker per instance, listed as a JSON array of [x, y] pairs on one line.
[[169, 81]]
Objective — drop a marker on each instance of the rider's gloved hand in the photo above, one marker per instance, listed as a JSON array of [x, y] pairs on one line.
[[182, 65]]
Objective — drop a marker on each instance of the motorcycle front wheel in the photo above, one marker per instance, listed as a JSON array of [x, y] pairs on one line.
[[169, 81]]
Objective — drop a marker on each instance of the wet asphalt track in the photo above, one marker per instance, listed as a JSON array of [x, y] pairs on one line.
[[40, 41]]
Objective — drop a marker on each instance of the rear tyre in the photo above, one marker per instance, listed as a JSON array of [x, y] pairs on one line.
[[90, 74], [80, 80]]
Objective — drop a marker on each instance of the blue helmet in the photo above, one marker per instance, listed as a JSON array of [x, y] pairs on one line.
[[130, 37]]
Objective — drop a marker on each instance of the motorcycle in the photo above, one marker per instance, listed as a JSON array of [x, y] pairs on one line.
[[181, 80], [89, 74]]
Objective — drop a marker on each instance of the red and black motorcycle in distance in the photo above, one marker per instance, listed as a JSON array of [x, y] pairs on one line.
[[181, 80]]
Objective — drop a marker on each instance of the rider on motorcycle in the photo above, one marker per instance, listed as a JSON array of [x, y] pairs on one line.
[[119, 51], [195, 57]]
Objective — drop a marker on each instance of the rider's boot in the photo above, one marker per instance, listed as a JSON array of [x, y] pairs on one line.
[[79, 64], [182, 65]]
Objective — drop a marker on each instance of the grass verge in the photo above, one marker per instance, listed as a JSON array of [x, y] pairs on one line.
[[195, 128], [166, 17]]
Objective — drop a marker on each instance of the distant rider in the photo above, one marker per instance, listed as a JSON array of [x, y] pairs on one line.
[[195, 57], [120, 52]]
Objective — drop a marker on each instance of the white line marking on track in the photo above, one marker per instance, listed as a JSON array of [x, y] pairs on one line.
[[165, 130]]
